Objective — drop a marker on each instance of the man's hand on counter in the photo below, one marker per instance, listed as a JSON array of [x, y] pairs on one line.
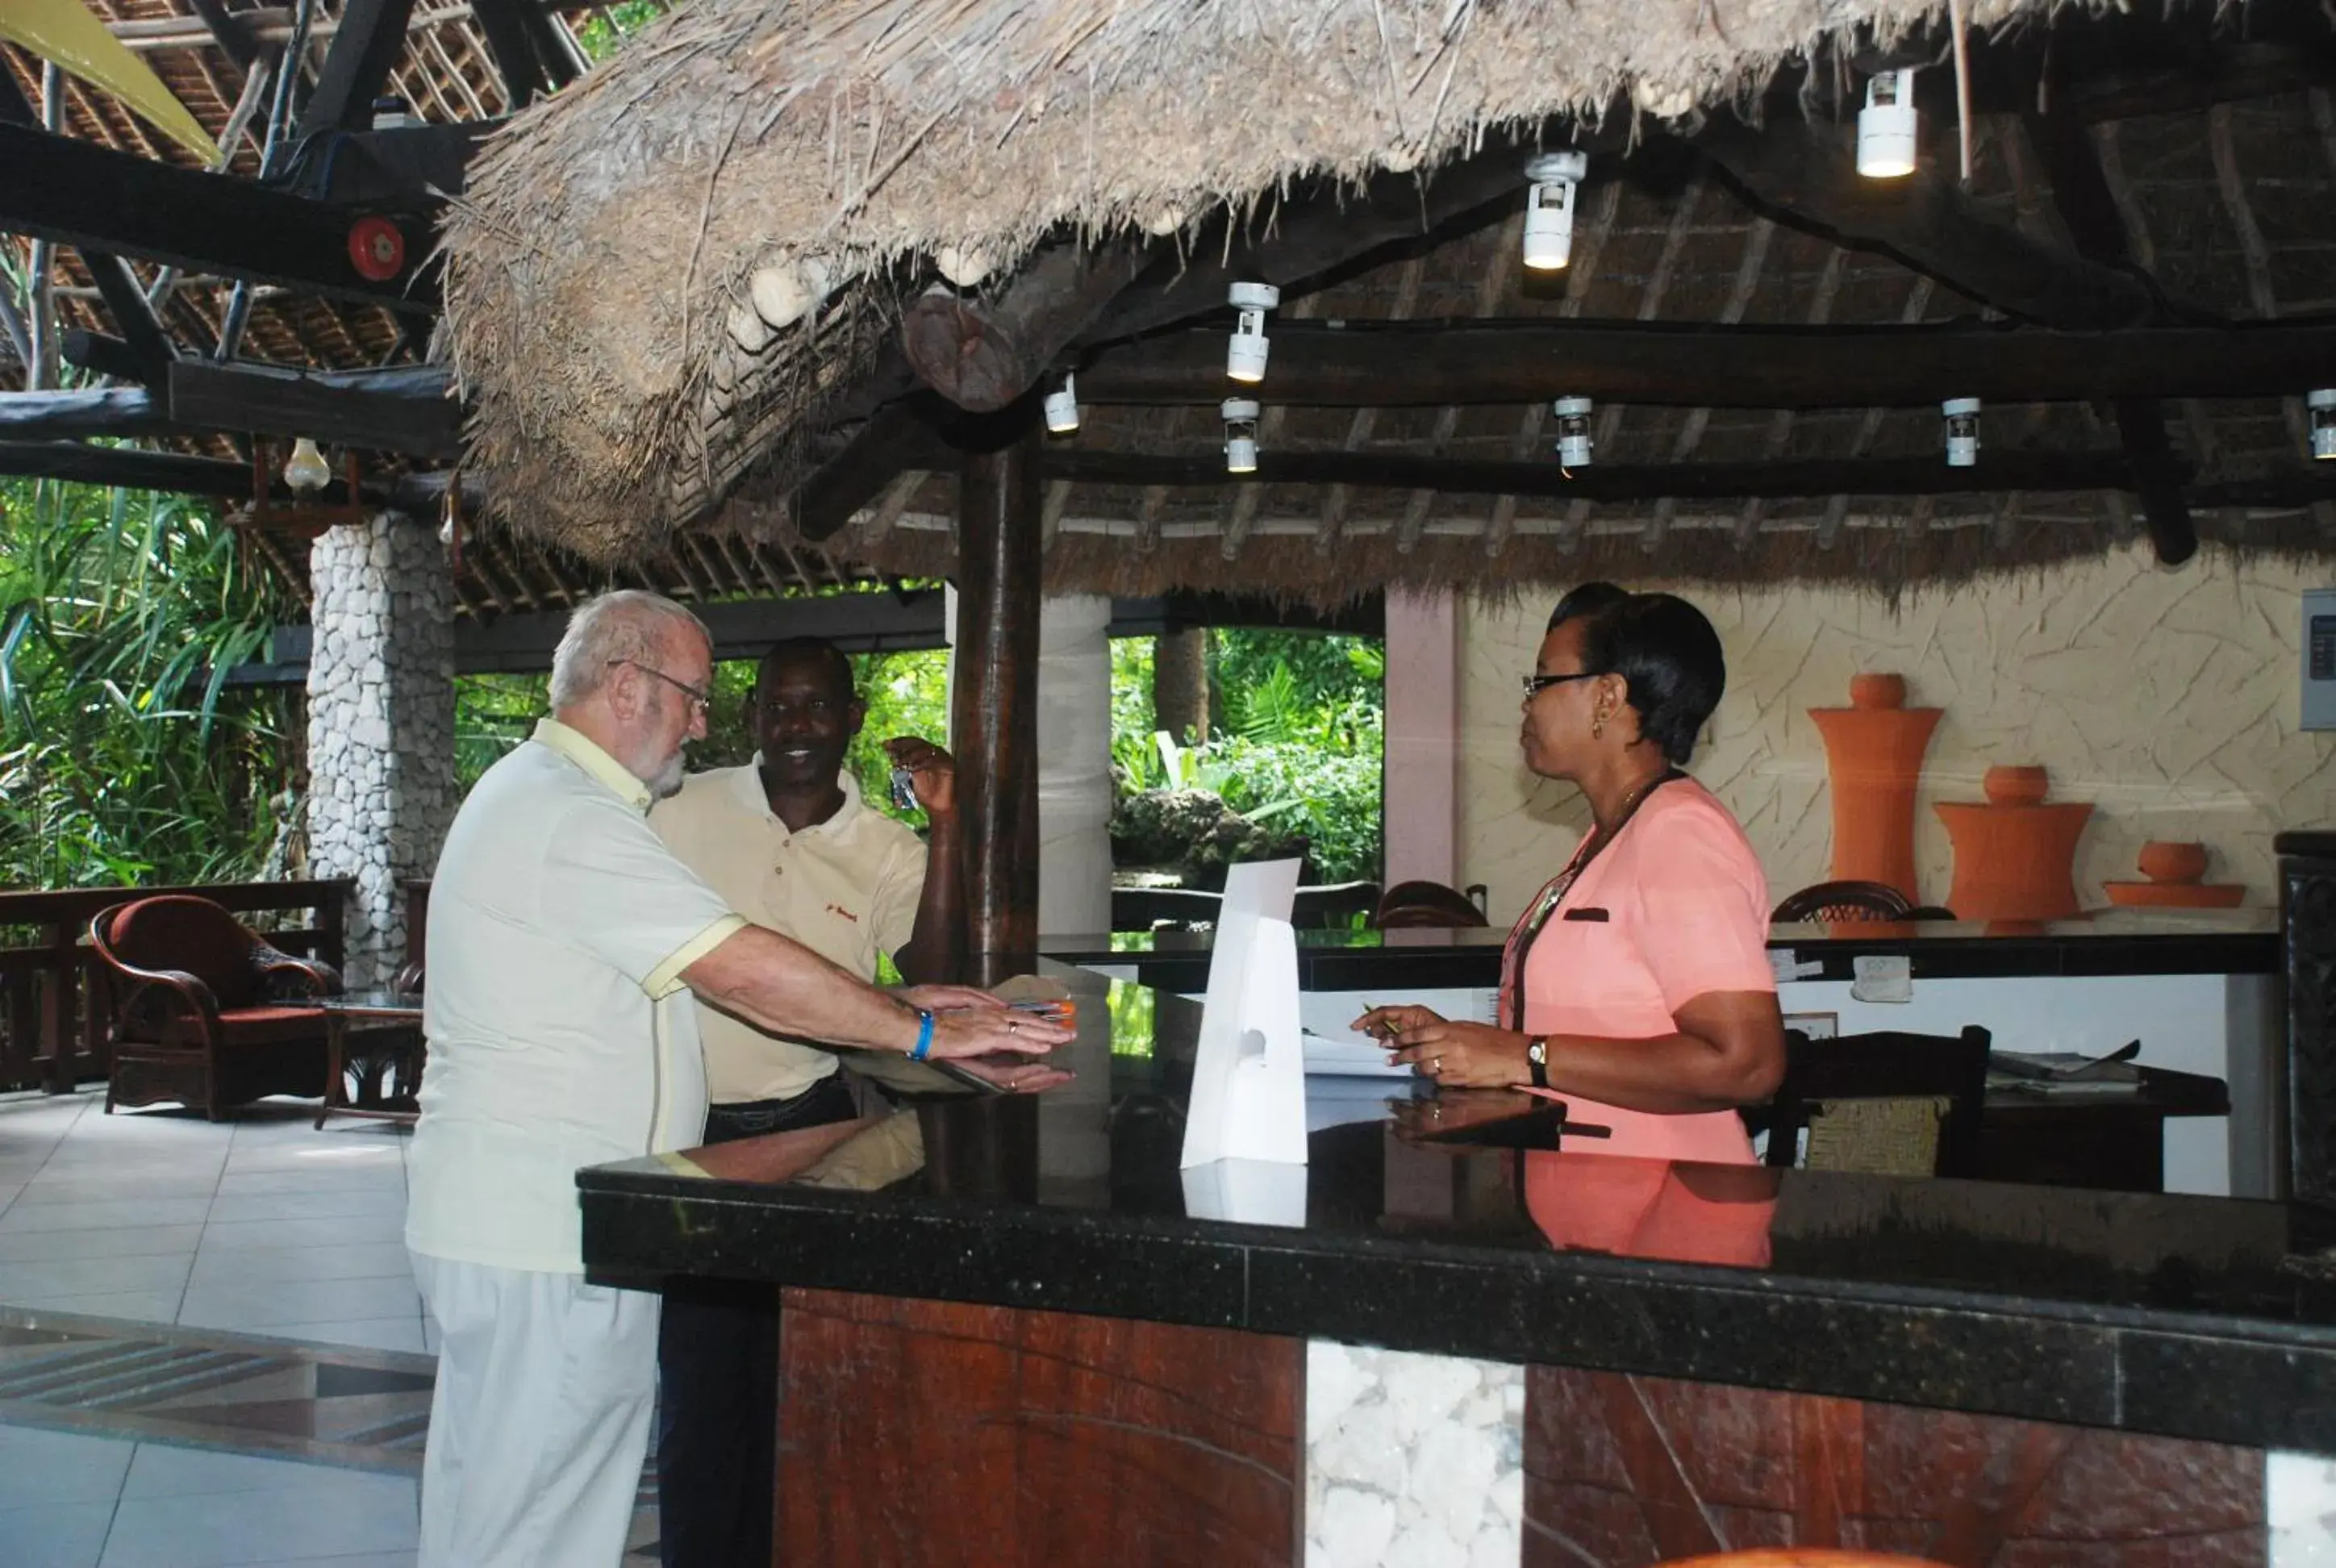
[[987, 1026]]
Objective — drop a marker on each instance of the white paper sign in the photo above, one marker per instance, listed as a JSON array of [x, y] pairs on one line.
[[1249, 1073], [1247, 1191], [1883, 978]]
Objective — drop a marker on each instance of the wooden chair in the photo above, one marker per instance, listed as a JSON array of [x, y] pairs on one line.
[[1887, 1102], [1426, 904], [1846, 902], [209, 1013], [1801, 1557]]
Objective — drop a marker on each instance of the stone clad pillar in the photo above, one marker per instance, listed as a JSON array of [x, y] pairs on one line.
[[381, 724]]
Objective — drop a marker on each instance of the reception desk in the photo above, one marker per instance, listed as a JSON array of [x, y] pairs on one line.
[[2201, 991], [1008, 1336]]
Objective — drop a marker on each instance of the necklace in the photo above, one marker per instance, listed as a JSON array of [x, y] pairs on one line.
[[1521, 938]]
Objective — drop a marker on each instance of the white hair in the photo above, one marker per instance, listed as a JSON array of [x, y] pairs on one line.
[[628, 625]]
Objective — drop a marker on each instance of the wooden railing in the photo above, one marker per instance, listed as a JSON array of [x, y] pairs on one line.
[[56, 999]]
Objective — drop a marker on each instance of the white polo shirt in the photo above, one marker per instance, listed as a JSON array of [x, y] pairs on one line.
[[847, 889], [560, 1033]]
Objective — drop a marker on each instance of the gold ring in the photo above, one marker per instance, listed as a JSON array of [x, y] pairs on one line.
[[1012, 1025], [1435, 1066]]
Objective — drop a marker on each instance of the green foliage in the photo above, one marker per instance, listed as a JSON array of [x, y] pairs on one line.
[[907, 693], [1299, 734], [604, 32], [123, 757]]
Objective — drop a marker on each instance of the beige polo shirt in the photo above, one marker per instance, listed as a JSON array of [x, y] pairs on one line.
[[846, 888], [559, 1032]]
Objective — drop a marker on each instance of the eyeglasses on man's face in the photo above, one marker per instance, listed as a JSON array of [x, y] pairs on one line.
[[698, 700], [1535, 685]]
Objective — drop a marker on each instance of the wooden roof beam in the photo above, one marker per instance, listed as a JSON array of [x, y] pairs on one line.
[[1804, 175], [1430, 364], [357, 64], [2082, 193], [1998, 470], [75, 193]]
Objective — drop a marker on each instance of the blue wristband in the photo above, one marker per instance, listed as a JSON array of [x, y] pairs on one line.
[[924, 1047]]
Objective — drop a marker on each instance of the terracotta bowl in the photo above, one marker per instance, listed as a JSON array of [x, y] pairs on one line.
[[2165, 860], [1877, 691], [2015, 786]]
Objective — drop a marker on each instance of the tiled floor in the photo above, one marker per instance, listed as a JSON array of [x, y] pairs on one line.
[[262, 1226]]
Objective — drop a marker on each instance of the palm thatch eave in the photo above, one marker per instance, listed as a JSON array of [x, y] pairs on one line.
[[668, 275]]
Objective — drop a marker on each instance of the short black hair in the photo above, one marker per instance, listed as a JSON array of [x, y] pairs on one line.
[[839, 663], [1665, 652]]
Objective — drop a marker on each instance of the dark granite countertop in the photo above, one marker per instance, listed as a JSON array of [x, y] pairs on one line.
[[2192, 1317], [2104, 943]]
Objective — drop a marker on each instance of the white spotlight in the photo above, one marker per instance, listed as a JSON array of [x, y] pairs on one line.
[[1549, 209], [1240, 434], [1063, 408], [1572, 431], [1886, 126], [2324, 422], [1963, 431], [1245, 354]]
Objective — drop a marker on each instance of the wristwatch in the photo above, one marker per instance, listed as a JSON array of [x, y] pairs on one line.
[[1537, 1059]]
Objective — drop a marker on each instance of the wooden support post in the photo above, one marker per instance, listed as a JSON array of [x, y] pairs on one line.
[[357, 64], [994, 717], [2087, 204]]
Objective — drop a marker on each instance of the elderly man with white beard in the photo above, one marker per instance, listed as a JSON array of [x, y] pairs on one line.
[[565, 943]]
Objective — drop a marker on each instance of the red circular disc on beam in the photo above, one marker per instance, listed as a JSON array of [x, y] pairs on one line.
[[376, 248]]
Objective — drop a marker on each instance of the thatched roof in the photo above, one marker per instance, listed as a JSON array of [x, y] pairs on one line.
[[446, 75], [665, 284]]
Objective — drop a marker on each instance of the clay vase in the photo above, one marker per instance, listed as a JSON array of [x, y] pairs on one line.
[[2177, 873], [2165, 860], [2014, 855], [1874, 759]]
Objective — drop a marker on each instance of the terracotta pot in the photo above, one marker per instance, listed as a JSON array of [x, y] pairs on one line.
[[2165, 860], [2015, 786], [1871, 691]]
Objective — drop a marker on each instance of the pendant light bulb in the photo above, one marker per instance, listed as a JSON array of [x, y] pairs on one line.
[[1245, 353], [1963, 431], [1063, 408], [1572, 431], [1549, 207], [1887, 125], [1240, 434], [306, 471]]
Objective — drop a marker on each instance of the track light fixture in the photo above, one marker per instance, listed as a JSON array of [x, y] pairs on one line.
[[1063, 407], [1240, 434], [1549, 207], [1963, 431], [1886, 126], [1572, 431], [1245, 354]]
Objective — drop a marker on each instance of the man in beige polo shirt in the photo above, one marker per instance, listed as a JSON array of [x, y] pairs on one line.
[[564, 939], [788, 841]]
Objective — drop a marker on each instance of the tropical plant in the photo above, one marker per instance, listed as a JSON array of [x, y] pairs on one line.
[[124, 757]]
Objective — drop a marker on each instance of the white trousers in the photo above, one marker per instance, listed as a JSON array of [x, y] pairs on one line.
[[539, 1421]]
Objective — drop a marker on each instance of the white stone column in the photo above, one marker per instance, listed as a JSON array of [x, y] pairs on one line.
[[1422, 798], [1075, 765], [381, 724]]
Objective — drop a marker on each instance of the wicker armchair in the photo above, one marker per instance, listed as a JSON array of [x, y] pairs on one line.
[[1846, 902], [209, 1015], [1426, 904]]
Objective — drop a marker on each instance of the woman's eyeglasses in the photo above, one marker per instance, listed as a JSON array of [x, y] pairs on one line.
[[1535, 685]]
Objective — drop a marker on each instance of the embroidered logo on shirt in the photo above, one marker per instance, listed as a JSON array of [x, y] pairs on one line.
[[847, 914]]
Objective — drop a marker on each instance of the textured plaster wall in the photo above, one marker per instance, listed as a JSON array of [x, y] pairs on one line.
[[2167, 699]]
